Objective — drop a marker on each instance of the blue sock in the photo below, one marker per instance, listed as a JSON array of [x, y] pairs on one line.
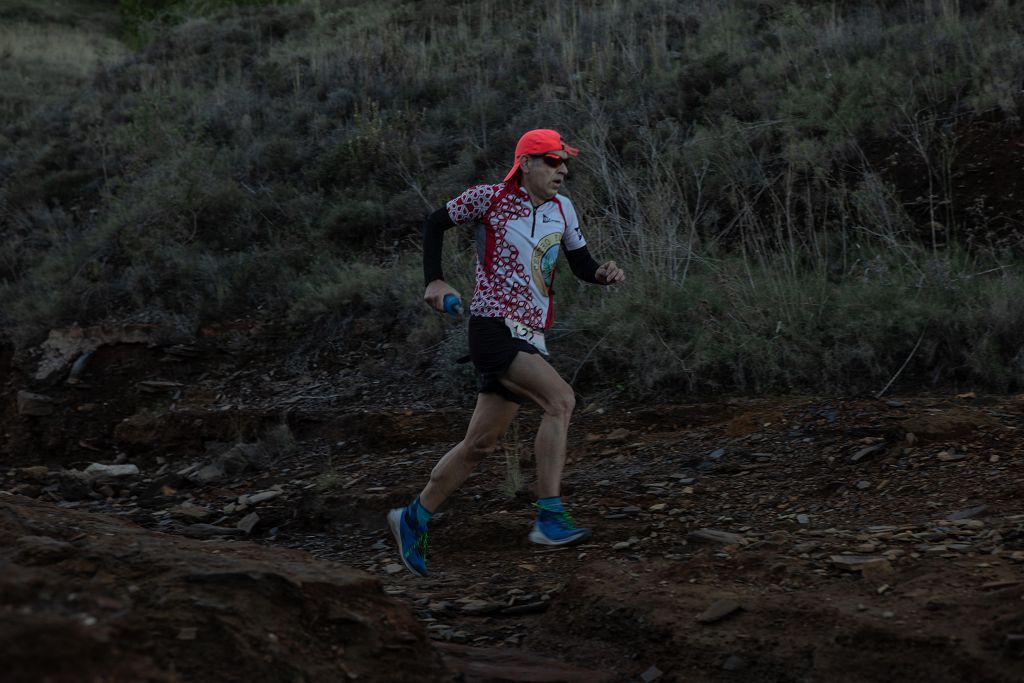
[[552, 504], [419, 513]]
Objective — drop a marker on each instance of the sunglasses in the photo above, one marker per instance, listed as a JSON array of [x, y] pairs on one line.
[[552, 160]]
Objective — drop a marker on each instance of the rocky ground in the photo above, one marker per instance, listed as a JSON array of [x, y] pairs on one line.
[[784, 539]]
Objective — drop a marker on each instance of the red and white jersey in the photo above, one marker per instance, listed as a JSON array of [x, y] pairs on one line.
[[517, 247]]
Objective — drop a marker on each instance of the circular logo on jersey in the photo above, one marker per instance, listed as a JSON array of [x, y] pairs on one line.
[[542, 265]]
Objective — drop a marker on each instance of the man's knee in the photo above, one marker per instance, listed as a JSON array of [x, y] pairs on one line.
[[479, 448], [562, 403]]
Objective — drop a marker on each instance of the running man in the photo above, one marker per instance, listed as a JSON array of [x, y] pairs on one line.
[[519, 224]]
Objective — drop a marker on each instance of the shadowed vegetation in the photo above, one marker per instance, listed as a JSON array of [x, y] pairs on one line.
[[787, 183]]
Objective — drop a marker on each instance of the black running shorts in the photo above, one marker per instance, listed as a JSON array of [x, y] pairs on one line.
[[492, 348]]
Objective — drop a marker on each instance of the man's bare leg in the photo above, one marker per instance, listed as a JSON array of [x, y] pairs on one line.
[[490, 420], [531, 376], [409, 524]]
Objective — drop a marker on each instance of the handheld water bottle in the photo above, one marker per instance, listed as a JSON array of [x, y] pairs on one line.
[[452, 305]]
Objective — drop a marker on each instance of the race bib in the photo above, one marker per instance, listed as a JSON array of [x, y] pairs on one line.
[[528, 334]]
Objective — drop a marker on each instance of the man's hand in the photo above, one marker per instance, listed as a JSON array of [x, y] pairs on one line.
[[609, 274], [434, 296]]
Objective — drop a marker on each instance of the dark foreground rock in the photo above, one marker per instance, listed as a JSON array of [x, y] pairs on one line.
[[87, 597]]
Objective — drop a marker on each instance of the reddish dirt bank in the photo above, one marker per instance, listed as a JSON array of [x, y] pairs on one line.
[[94, 598], [796, 539]]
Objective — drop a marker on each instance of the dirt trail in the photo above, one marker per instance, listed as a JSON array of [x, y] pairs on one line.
[[790, 539], [850, 554]]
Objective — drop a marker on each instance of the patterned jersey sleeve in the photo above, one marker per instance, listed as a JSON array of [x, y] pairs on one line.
[[573, 236], [471, 205]]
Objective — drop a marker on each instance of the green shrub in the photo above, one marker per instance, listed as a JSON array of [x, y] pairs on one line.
[[347, 290], [142, 19], [254, 154], [740, 325]]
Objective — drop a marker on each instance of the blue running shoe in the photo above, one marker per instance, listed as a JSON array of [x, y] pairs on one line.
[[412, 541], [556, 528]]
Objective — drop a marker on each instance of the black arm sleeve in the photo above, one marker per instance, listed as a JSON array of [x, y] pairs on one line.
[[583, 264], [433, 240]]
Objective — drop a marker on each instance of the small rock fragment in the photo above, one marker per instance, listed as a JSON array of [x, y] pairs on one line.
[[99, 471], [866, 452], [257, 498], [946, 456], [718, 611], [733, 663], [37, 405], [157, 386], [189, 511], [27, 490], [248, 523], [968, 513], [73, 485], [203, 531], [855, 563], [41, 550], [653, 673], [716, 536], [526, 608], [627, 544], [35, 474], [620, 434], [874, 571], [480, 607], [209, 474]]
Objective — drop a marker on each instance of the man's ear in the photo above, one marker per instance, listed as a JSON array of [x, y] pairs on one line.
[[523, 159]]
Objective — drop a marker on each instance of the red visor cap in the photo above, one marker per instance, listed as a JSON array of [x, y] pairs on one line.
[[539, 141]]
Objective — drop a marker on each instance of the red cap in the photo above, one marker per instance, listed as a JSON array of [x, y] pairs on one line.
[[540, 141]]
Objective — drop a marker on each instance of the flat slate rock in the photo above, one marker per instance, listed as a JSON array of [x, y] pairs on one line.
[[866, 452], [857, 563], [718, 611], [211, 531], [716, 536], [969, 513], [504, 664]]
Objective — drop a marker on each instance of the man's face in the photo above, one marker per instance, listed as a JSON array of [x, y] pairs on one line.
[[543, 173]]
